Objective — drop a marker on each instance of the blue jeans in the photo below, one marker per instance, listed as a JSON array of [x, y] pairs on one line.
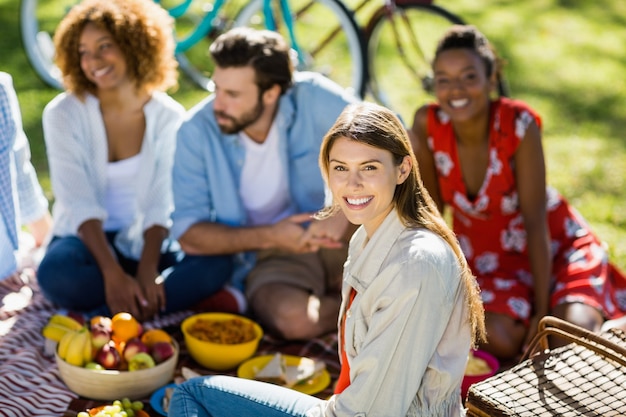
[[70, 277], [221, 395]]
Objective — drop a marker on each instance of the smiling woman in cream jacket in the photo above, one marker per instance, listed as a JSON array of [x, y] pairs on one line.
[[411, 310]]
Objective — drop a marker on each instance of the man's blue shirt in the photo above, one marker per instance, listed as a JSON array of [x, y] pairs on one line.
[[208, 163]]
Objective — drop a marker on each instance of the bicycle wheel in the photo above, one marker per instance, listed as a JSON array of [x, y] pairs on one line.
[[327, 35], [38, 21], [400, 47], [197, 24]]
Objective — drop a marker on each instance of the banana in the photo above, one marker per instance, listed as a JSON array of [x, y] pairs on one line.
[[65, 321], [58, 325], [64, 344], [54, 331], [88, 353], [75, 351]]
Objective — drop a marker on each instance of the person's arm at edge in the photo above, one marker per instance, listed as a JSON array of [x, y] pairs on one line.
[[33, 204]]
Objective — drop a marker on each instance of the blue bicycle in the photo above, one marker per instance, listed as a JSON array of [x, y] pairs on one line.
[[323, 34]]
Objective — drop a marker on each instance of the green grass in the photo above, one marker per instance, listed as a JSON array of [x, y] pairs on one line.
[[566, 58]]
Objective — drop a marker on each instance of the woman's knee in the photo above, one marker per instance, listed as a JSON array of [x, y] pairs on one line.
[[283, 311], [581, 315], [69, 276], [63, 257]]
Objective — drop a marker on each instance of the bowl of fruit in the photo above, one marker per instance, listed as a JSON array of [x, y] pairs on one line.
[[111, 358], [221, 341]]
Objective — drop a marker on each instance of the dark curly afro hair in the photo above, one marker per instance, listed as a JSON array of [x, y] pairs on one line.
[[141, 28]]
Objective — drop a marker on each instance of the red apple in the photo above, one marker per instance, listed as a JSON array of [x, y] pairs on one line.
[[161, 351], [133, 347], [108, 356], [100, 336]]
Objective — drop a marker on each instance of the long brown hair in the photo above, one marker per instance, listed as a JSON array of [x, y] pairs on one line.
[[376, 126]]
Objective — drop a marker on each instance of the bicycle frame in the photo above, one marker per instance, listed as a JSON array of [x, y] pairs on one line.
[[206, 24], [203, 28]]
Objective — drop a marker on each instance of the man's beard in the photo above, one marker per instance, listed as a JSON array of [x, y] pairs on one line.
[[244, 121]]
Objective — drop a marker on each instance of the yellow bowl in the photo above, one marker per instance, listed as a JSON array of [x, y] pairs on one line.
[[217, 356], [109, 385]]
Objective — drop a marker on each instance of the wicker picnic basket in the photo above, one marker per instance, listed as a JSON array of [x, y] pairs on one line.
[[587, 377]]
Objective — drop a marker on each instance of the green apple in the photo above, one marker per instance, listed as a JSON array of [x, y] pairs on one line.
[[141, 360], [94, 365]]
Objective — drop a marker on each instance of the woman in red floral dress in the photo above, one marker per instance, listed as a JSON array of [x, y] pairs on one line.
[[532, 253]]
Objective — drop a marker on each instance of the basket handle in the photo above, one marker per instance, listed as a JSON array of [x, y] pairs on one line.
[[554, 326]]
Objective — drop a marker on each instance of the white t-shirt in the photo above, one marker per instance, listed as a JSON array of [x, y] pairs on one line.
[[121, 193], [264, 187]]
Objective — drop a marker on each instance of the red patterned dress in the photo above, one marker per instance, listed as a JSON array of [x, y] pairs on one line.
[[491, 232]]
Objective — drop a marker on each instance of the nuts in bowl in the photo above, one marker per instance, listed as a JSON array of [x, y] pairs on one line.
[[221, 341]]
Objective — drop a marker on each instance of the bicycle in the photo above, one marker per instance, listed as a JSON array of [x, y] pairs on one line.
[[401, 37], [394, 45], [199, 22]]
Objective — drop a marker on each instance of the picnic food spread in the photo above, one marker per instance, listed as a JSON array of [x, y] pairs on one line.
[[120, 344]]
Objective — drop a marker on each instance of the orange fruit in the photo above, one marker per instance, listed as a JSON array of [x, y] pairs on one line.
[[152, 336], [124, 327]]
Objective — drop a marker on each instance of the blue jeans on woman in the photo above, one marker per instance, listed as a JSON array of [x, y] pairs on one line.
[[70, 277], [221, 395]]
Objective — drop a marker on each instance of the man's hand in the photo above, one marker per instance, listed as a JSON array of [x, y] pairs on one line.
[[327, 233], [287, 234]]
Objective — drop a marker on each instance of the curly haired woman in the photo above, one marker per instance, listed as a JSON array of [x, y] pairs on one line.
[[110, 140]]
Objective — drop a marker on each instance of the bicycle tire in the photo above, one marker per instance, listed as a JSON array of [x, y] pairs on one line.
[[428, 22], [39, 19], [37, 24], [313, 21]]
